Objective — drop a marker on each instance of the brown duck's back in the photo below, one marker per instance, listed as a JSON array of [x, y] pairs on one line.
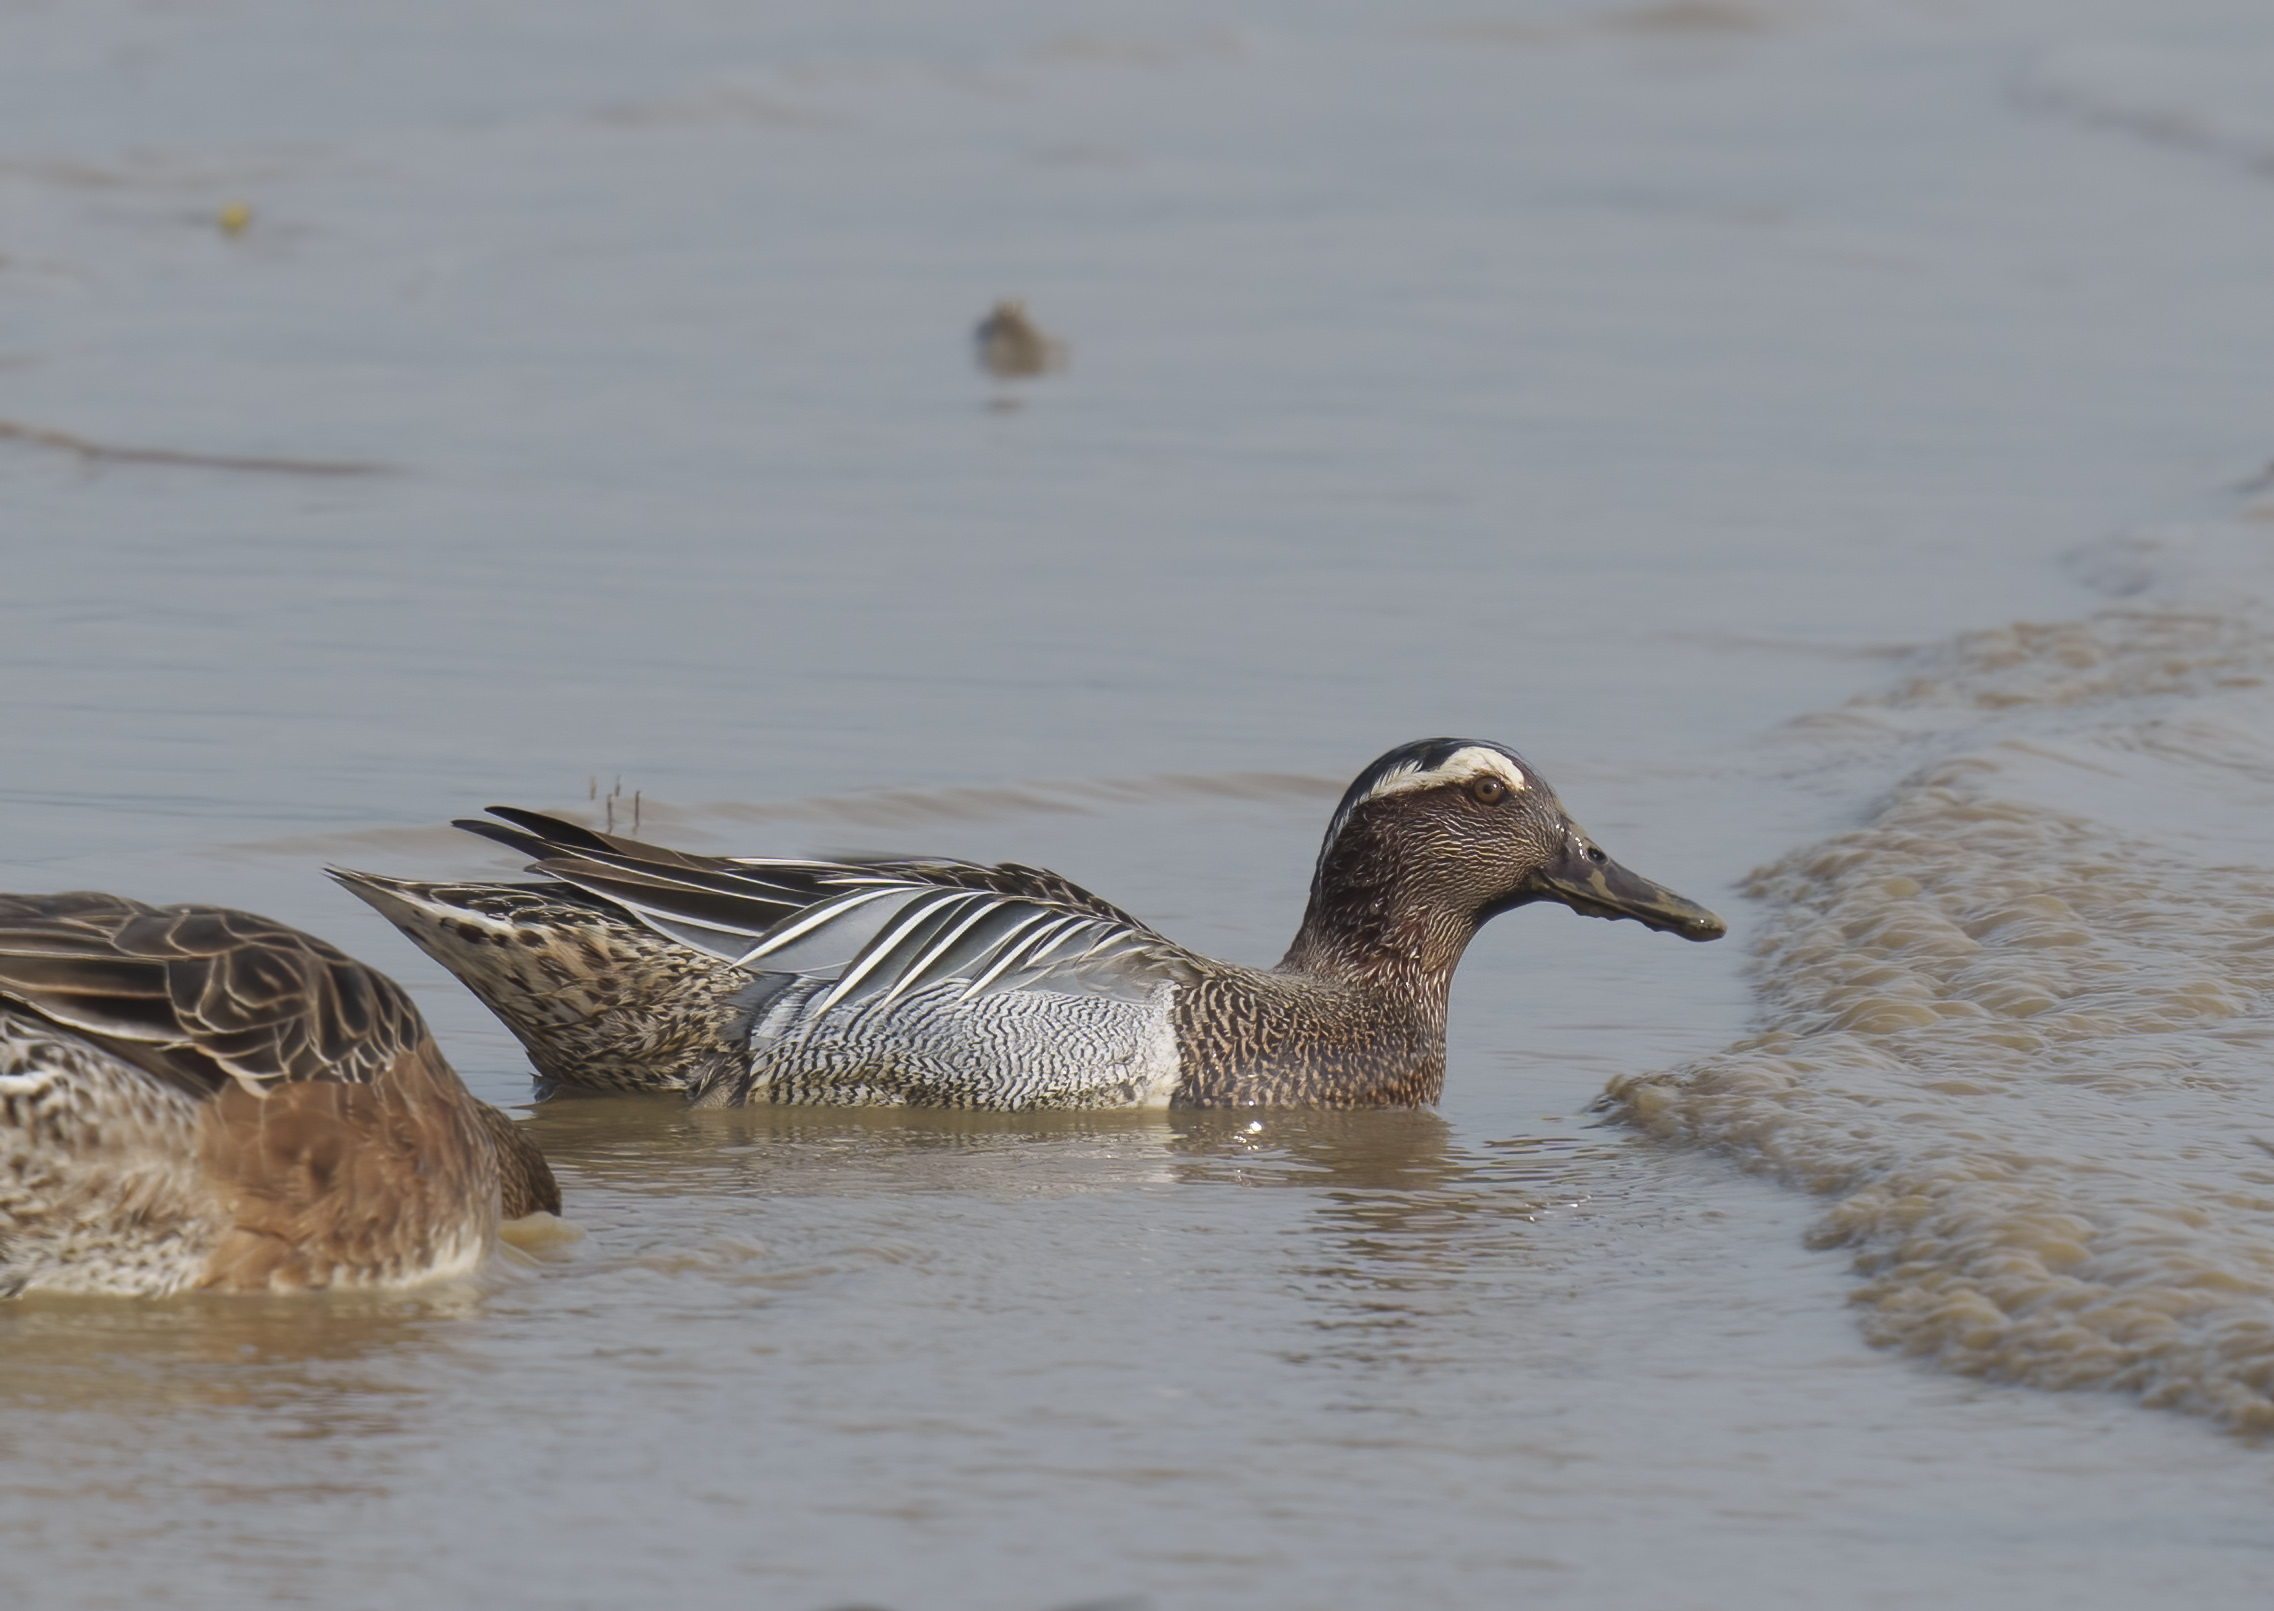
[[196, 1096]]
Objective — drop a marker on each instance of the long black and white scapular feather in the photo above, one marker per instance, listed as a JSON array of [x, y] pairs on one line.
[[928, 981], [883, 929]]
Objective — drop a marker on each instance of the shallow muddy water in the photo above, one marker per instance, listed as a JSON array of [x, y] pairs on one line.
[[1696, 397]]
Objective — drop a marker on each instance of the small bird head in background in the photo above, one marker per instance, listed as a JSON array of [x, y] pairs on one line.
[[1010, 346]]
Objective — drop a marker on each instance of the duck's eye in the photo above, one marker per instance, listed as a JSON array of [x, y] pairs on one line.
[[1595, 854], [1488, 791]]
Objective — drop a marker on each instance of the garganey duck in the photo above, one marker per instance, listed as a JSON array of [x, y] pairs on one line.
[[949, 984], [196, 1097]]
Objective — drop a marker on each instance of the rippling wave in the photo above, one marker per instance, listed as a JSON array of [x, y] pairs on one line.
[[2028, 1051]]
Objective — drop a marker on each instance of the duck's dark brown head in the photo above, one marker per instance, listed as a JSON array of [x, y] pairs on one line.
[[1438, 837]]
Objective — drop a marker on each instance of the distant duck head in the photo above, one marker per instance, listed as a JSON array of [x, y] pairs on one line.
[[1438, 837], [1011, 346]]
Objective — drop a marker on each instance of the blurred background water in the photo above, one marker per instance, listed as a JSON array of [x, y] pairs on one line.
[[1634, 384]]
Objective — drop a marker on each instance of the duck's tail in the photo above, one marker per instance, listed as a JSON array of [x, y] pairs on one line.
[[600, 1001]]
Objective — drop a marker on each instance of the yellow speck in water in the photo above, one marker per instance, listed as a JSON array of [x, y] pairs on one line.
[[235, 218]]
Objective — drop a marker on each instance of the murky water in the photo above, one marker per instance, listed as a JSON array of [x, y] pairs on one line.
[[1695, 396]]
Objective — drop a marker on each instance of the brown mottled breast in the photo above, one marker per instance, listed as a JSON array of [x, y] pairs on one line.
[[1252, 1039]]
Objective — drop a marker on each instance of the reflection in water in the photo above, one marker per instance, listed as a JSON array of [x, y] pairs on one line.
[[762, 1229], [1405, 1224], [182, 1422], [736, 1207], [1413, 1228], [657, 1144], [1399, 1165], [287, 1354]]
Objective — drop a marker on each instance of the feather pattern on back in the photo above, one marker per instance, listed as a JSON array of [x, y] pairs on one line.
[[812, 952], [201, 995], [194, 1096], [887, 928]]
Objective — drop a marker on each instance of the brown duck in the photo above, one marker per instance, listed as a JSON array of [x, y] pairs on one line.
[[197, 1097], [949, 984]]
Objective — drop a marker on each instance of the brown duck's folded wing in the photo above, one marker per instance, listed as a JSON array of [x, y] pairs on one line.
[[202, 996]]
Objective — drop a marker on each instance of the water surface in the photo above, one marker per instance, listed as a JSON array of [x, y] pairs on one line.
[[1693, 396]]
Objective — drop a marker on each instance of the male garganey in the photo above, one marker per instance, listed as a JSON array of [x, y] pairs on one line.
[[949, 984]]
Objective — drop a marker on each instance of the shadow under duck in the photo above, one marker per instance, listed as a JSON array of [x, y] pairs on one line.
[[197, 1097], [948, 983]]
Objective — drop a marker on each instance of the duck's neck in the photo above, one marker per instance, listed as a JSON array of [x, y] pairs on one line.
[[1374, 925], [525, 1180]]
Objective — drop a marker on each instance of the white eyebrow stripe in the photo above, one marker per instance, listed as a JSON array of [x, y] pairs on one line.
[[1462, 766]]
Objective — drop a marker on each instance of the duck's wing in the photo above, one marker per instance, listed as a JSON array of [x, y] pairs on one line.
[[885, 927], [203, 996]]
